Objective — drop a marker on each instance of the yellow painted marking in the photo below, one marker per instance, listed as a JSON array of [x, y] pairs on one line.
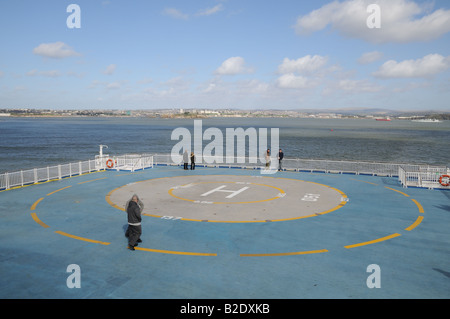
[[149, 215], [418, 205], [33, 207], [416, 223], [373, 241], [364, 181], [286, 254], [58, 190], [92, 180], [397, 191], [81, 238], [108, 199], [343, 203], [173, 252], [171, 194], [37, 220], [224, 221]]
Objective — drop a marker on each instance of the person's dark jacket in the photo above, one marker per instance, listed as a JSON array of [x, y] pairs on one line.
[[280, 155], [134, 213]]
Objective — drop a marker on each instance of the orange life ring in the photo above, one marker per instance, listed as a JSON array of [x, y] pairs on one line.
[[448, 180], [110, 163]]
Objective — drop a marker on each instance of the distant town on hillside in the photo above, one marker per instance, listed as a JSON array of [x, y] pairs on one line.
[[209, 113]]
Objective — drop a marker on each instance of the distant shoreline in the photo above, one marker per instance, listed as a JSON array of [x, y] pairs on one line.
[[205, 114]]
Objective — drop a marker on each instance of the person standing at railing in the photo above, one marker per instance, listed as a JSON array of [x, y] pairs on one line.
[[185, 159], [192, 161], [268, 158], [280, 158]]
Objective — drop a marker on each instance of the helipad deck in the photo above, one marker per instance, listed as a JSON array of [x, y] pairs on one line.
[[226, 233]]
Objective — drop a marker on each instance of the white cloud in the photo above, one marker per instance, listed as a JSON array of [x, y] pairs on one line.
[[210, 11], [107, 86], [401, 21], [113, 86], [57, 50], [370, 57], [110, 69], [292, 81], [305, 72], [306, 64], [50, 73], [233, 66], [357, 86], [425, 67], [176, 14]]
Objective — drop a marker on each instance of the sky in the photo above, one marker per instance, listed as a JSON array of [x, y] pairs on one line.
[[215, 54]]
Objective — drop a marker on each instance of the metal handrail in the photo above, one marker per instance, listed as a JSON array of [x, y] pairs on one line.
[[408, 174]]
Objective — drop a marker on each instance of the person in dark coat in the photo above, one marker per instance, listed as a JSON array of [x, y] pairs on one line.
[[280, 158], [134, 230], [192, 160]]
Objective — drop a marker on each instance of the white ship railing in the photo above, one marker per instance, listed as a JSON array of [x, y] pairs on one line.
[[45, 174], [427, 177], [132, 162], [408, 174]]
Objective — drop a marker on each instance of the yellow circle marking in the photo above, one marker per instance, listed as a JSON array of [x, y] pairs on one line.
[[342, 203], [414, 225], [286, 254], [344, 196], [373, 241]]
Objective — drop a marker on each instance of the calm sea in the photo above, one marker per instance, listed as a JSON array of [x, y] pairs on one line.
[[27, 143]]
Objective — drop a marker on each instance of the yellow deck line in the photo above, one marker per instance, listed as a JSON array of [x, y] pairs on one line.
[[397, 191], [92, 180], [373, 241], [37, 220], [418, 205], [363, 181], [174, 252], [58, 190], [81, 238], [286, 254], [33, 207], [415, 224]]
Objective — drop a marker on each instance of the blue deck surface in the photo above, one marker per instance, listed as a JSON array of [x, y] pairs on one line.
[[46, 227]]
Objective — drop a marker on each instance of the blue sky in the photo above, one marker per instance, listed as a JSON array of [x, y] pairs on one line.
[[248, 54]]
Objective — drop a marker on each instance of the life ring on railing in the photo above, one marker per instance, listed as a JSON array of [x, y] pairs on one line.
[[110, 163], [445, 184]]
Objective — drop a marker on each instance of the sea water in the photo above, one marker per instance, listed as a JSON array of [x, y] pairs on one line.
[[27, 143]]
